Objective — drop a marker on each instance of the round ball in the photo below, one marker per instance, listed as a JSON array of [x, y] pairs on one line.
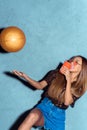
[[12, 39]]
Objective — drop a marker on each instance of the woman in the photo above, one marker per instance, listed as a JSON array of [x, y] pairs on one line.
[[64, 87]]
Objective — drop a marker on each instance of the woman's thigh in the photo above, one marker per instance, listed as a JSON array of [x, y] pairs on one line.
[[34, 118], [39, 117]]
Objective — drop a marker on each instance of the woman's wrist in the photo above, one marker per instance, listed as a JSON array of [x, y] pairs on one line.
[[68, 85]]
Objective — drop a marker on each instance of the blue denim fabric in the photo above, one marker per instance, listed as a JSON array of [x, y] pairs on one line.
[[54, 117]]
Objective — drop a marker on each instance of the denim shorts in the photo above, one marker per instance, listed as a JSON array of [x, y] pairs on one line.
[[54, 117]]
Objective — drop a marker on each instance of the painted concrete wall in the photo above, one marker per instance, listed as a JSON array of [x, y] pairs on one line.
[[55, 30]]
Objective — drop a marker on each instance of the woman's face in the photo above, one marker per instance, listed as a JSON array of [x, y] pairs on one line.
[[77, 65]]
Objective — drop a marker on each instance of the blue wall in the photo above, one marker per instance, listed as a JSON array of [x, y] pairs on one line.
[[55, 30]]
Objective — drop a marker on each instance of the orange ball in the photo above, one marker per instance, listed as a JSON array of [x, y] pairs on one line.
[[12, 39]]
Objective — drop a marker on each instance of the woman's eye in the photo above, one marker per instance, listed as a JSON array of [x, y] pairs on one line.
[[75, 62]]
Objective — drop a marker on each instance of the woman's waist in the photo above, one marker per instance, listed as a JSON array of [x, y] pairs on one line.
[[56, 102]]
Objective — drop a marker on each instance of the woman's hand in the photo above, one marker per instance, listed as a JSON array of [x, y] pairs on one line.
[[19, 74], [65, 71]]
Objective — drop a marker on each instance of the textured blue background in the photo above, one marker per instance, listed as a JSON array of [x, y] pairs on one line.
[[55, 30]]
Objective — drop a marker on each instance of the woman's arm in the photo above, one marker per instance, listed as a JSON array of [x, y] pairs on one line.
[[68, 94], [36, 84]]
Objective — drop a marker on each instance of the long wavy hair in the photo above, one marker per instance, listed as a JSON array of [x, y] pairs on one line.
[[57, 88]]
